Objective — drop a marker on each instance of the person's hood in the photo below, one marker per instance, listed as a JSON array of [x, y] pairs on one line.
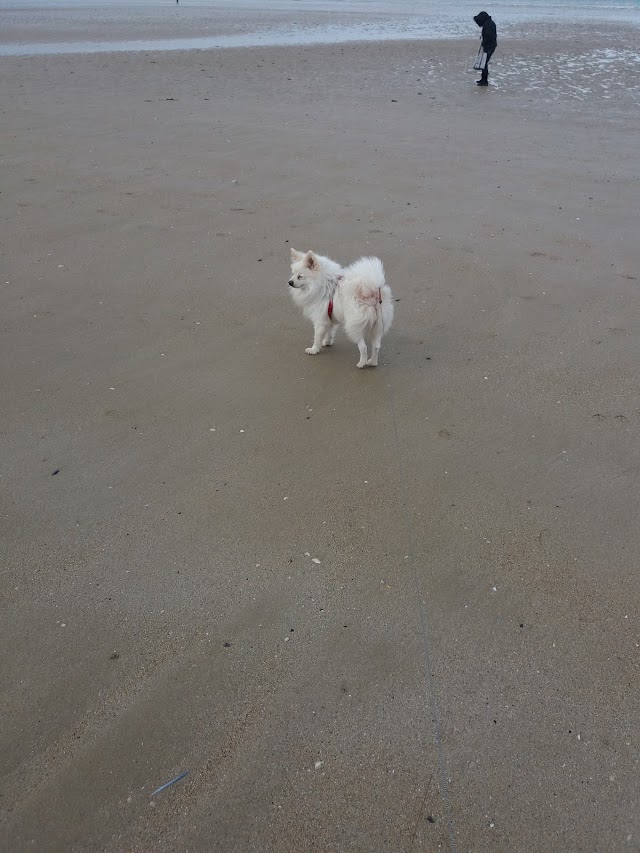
[[481, 18]]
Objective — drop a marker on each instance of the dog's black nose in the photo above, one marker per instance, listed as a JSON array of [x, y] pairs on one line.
[[290, 282]]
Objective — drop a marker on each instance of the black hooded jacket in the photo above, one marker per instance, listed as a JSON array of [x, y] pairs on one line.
[[489, 33]]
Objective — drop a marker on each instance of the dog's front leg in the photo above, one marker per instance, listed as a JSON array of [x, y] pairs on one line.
[[330, 336], [319, 331]]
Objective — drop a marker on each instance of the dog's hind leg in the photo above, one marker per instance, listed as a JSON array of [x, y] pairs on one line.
[[375, 348], [362, 346]]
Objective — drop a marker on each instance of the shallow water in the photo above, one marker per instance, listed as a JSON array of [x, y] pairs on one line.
[[265, 38], [70, 26], [531, 9]]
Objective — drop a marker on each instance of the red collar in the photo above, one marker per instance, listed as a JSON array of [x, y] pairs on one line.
[[330, 306]]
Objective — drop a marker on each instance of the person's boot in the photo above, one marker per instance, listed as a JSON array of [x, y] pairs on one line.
[[483, 81]]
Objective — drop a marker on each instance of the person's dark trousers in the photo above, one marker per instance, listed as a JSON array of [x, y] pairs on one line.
[[484, 77]]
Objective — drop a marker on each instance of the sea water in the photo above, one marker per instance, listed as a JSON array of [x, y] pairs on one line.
[[286, 22]]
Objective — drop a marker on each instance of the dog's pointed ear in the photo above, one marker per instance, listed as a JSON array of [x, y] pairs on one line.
[[296, 255], [311, 261]]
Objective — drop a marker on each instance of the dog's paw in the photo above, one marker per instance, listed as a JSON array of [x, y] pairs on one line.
[[312, 350], [371, 362], [362, 364], [327, 343]]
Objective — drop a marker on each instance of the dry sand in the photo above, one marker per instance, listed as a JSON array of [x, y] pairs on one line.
[[460, 670]]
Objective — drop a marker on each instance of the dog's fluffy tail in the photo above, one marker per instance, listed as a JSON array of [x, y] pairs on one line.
[[365, 284], [367, 276]]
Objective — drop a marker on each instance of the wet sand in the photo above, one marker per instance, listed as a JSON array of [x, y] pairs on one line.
[[459, 670]]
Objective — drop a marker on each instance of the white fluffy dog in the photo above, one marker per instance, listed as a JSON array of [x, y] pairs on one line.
[[356, 298]]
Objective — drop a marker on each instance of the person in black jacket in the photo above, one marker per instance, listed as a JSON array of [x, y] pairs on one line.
[[489, 43]]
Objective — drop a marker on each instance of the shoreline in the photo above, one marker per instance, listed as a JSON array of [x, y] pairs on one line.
[[103, 29], [319, 37]]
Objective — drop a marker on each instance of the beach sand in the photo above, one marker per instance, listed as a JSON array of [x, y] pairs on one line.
[[459, 671]]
